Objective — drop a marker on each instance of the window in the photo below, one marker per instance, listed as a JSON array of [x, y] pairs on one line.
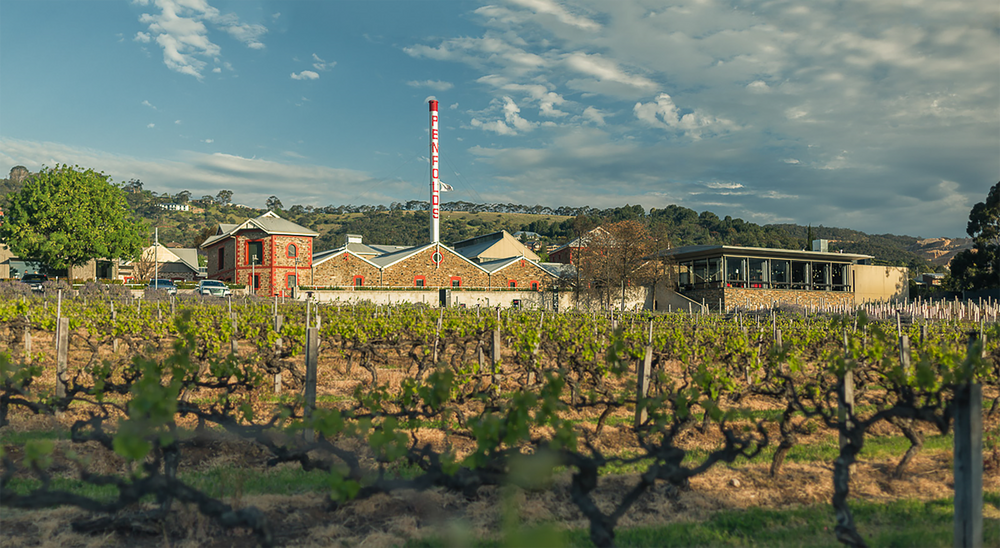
[[419, 281], [779, 274], [292, 250], [512, 284], [534, 285], [222, 258], [256, 281], [359, 281], [757, 272], [800, 275], [291, 281], [735, 272], [821, 276], [255, 252], [456, 281]]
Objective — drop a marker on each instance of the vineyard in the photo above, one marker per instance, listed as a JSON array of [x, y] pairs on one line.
[[191, 421]]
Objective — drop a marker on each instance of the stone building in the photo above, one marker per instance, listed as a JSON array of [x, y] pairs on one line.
[[269, 254], [433, 265]]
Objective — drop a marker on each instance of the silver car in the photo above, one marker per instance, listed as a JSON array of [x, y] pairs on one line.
[[165, 285], [214, 288]]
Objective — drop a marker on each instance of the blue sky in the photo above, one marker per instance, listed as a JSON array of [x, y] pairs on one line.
[[879, 116]]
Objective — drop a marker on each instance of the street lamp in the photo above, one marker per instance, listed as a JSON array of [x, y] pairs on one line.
[[253, 277]]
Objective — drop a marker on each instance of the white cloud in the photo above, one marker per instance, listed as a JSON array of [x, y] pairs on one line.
[[663, 113], [178, 122], [436, 85], [727, 185], [148, 104], [142, 37], [594, 115], [180, 30], [606, 70], [208, 141], [150, 125], [252, 180], [548, 7], [305, 75], [320, 64]]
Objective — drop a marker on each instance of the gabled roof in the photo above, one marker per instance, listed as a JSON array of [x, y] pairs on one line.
[[187, 256], [559, 270], [496, 266], [496, 245], [269, 222], [321, 258], [584, 240]]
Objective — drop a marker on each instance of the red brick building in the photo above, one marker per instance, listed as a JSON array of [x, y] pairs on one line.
[[267, 253]]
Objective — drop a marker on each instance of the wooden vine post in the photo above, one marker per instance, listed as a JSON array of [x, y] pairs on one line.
[[969, 461], [312, 356], [234, 345], [62, 356], [278, 349]]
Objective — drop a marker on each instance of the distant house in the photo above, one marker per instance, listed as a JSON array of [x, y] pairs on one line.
[[175, 207], [570, 253], [176, 263], [268, 253]]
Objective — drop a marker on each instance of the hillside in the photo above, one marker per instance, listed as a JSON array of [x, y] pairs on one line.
[[886, 248], [407, 224]]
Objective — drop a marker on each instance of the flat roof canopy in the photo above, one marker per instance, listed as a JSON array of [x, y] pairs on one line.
[[691, 252]]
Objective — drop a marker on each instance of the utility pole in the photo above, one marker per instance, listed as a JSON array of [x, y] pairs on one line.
[[253, 277], [156, 256]]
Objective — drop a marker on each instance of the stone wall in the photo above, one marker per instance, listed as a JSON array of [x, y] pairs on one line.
[[522, 273], [340, 270], [765, 298], [403, 273], [223, 271], [303, 246]]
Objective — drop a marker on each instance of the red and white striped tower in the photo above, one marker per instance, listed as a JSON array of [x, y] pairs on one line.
[[435, 182]]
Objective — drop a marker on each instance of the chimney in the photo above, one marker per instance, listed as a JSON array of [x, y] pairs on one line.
[[435, 182]]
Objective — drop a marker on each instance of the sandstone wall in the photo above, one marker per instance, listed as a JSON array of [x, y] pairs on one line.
[[403, 273], [522, 273], [339, 271]]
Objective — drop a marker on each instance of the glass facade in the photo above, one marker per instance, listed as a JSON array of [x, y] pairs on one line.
[[763, 273]]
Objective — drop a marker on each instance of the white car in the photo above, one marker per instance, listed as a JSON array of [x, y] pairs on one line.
[[214, 288]]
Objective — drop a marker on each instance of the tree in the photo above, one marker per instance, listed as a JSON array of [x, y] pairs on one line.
[[979, 267], [182, 197], [618, 256], [65, 216], [273, 203], [224, 197]]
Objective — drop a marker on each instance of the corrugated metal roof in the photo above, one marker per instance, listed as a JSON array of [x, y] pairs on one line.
[[269, 222]]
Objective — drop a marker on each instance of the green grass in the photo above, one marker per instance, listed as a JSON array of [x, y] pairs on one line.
[[903, 523]]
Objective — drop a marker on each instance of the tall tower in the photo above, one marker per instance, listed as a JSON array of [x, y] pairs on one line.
[[435, 182]]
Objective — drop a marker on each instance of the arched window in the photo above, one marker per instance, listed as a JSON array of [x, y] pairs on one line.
[[293, 251]]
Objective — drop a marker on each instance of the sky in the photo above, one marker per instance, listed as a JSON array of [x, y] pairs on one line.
[[877, 116]]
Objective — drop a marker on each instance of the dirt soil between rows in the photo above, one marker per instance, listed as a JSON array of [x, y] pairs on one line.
[[390, 520]]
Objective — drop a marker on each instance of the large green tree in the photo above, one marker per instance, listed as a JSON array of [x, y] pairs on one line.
[[65, 216], [979, 267]]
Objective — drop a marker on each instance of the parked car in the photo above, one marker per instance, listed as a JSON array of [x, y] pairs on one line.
[[166, 285], [214, 288], [34, 281]]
